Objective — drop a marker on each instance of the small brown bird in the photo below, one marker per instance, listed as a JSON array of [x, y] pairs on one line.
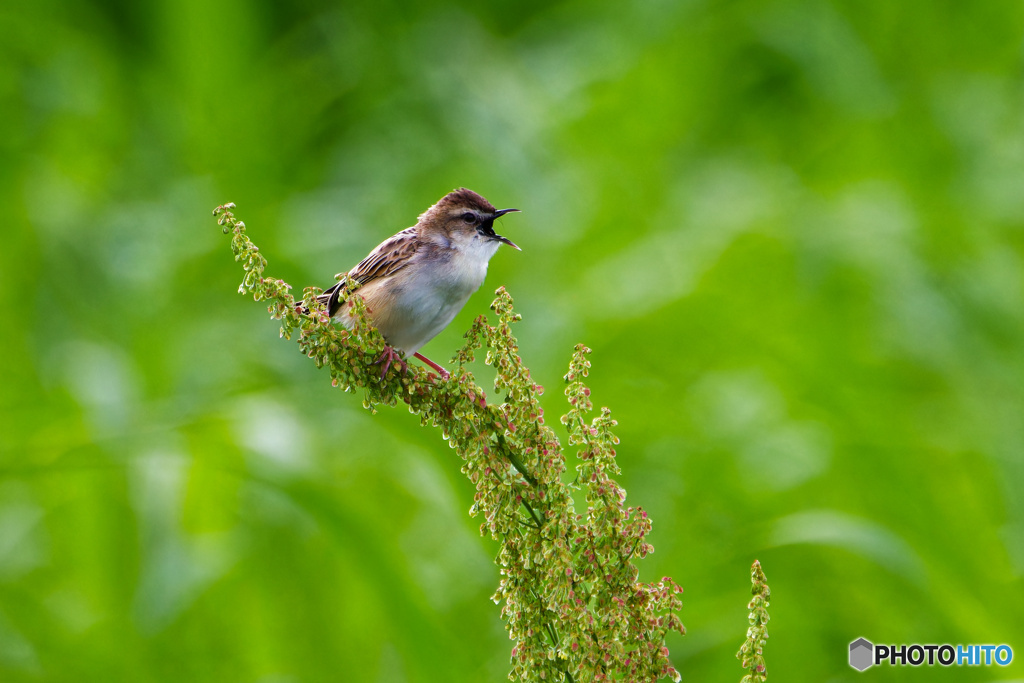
[[415, 282]]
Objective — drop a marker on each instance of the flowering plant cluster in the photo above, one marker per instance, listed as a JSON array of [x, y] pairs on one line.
[[569, 589], [751, 653]]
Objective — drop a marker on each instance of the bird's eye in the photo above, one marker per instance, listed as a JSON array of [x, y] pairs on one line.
[[469, 217]]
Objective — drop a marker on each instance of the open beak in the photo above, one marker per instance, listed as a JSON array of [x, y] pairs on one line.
[[500, 238]]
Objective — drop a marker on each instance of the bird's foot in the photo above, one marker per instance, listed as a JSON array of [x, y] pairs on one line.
[[444, 373], [388, 357]]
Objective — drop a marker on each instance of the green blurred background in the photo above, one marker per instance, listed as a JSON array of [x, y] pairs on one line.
[[792, 232]]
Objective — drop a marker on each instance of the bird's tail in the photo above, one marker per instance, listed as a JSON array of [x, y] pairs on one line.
[[331, 298]]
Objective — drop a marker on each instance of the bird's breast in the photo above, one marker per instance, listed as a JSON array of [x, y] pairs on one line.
[[413, 306], [425, 302]]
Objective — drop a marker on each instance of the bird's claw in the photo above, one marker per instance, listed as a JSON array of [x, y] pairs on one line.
[[389, 356]]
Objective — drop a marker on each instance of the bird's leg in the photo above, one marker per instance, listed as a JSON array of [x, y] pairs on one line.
[[444, 373], [390, 356]]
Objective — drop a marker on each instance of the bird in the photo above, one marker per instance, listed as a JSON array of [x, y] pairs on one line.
[[416, 281]]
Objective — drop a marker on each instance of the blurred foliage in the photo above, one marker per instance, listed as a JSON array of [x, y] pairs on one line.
[[791, 231]]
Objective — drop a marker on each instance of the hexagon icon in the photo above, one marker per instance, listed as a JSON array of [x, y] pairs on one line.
[[861, 654]]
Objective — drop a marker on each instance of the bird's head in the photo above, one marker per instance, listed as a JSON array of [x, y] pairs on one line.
[[464, 216]]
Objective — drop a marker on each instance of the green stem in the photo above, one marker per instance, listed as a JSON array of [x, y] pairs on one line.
[[514, 459]]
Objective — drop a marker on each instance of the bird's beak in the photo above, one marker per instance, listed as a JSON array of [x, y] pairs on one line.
[[507, 241], [500, 238]]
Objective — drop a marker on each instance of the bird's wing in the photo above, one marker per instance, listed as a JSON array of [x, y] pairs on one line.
[[391, 256]]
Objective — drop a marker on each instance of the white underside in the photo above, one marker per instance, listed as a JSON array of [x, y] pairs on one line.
[[413, 306]]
